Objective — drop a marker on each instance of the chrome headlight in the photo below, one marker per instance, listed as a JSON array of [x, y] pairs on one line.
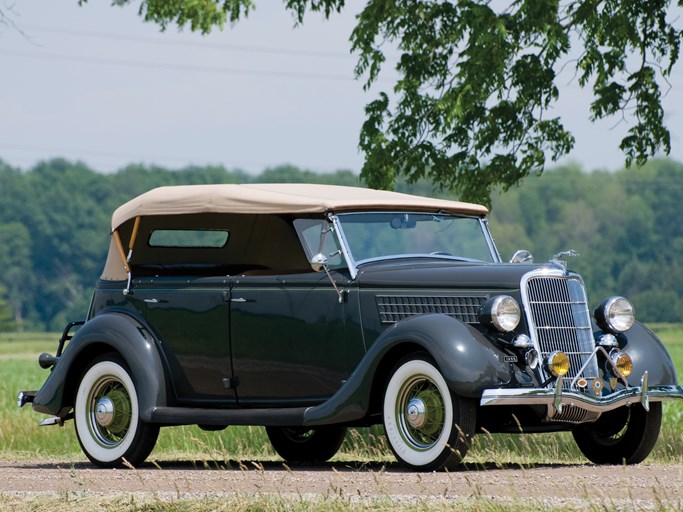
[[557, 363], [622, 362], [501, 312], [615, 314]]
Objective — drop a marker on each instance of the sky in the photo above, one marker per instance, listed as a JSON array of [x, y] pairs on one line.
[[94, 83]]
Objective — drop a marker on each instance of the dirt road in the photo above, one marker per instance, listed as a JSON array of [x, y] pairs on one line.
[[640, 487]]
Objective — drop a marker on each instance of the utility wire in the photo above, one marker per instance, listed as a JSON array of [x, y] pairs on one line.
[[195, 44], [305, 75]]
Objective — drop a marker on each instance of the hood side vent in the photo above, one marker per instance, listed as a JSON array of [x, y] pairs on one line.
[[394, 308]]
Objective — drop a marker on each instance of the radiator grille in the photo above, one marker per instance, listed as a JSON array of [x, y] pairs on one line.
[[393, 308], [559, 317]]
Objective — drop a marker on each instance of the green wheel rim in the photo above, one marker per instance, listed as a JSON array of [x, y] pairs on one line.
[[420, 411], [109, 412]]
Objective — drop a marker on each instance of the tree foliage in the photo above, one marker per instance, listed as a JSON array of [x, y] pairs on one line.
[[620, 224], [7, 322], [472, 107], [55, 222]]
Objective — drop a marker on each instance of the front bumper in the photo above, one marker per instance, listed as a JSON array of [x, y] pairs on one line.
[[559, 397]]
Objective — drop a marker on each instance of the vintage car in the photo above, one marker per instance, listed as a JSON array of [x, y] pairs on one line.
[[309, 309]]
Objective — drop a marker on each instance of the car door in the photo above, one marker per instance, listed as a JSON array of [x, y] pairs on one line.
[[190, 318], [289, 338]]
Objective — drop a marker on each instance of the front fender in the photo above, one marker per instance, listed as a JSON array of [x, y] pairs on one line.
[[468, 361], [107, 332], [649, 354]]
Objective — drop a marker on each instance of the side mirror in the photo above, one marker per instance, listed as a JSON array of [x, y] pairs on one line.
[[319, 262], [522, 256]]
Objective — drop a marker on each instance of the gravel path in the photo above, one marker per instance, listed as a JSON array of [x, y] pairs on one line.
[[642, 487]]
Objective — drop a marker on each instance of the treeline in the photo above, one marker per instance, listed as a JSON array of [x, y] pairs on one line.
[[626, 225], [55, 221]]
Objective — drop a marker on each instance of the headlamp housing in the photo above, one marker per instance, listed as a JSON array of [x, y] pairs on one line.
[[615, 314], [557, 363], [501, 312], [622, 362]]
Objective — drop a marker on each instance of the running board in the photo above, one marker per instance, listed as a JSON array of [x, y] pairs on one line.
[[288, 417]]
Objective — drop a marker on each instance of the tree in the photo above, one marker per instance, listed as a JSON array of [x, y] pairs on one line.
[[16, 282], [6, 318], [471, 109]]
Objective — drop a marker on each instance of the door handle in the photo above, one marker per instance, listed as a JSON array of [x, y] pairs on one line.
[[238, 299]]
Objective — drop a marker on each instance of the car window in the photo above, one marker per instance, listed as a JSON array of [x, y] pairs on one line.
[[201, 238], [385, 234], [310, 233]]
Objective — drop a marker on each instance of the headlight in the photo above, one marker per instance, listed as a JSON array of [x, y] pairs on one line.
[[501, 312], [557, 363], [622, 362], [615, 314]]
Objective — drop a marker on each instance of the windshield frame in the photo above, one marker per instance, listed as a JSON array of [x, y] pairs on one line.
[[353, 263]]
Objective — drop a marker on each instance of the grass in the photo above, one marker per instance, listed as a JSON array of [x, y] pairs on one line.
[[280, 503], [271, 503], [21, 439]]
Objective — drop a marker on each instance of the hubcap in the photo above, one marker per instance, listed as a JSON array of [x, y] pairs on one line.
[[420, 412], [416, 413], [110, 412], [104, 412]]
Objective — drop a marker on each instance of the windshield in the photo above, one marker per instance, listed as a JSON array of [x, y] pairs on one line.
[[384, 235]]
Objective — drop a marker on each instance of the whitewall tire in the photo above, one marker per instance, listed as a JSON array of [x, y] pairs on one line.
[[428, 428], [107, 416]]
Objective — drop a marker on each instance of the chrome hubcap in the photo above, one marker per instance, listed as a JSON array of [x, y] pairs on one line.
[[104, 412], [416, 413]]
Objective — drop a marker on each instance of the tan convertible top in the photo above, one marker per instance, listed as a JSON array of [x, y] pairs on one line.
[[278, 198], [261, 202]]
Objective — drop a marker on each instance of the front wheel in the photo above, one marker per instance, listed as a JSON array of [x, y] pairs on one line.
[[107, 418], [625, 435], [428, 427], [302, 444]]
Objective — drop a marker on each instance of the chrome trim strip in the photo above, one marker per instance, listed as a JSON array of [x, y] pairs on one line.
[[353, 264], [557, 396], [350, 262], [484, 222]]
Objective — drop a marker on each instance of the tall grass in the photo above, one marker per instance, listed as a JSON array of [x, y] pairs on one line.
[[264, 502], [21, 438]]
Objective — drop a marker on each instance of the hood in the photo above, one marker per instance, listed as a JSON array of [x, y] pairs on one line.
[[444, 274]]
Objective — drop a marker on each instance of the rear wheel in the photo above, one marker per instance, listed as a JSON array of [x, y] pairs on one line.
[[625, 435], [302, 444], [106, 414], [428, 427]]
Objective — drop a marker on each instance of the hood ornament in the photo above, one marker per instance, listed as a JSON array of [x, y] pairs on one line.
[[558, 259]]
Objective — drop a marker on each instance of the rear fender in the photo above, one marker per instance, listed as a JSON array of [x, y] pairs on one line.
[[107, 332], [468, 361]]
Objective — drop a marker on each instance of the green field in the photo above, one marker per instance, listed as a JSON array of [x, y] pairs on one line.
[[21, 438]]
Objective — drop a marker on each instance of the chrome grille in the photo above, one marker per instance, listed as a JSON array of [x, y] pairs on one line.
[[558, 316], [576, 415], [393, 308]]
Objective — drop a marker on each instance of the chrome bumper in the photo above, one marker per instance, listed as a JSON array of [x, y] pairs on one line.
[[559, 397], [25, 397]]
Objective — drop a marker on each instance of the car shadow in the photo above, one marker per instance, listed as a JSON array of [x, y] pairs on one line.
[[275, 466]]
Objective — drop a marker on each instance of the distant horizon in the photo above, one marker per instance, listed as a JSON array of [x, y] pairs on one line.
[[331, 170]]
